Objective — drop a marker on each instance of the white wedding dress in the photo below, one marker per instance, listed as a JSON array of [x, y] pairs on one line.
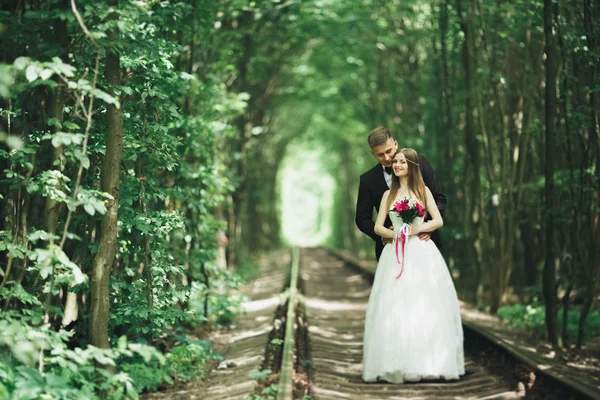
[[413, 329]]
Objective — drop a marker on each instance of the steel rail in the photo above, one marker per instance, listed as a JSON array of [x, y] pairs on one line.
[[285, 387]]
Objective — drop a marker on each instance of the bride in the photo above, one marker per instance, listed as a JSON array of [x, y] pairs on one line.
[[413, 329]]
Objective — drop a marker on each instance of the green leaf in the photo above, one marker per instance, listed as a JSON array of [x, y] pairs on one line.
[[118, 394], [14, 142], [46, 74], [21, 62], [85, 162], [122, 343], [89, 209], [103, 359], [31, 73], [106, 97], [99, 206], [54, 122], [78, 275], [25, 352], [71, 125]]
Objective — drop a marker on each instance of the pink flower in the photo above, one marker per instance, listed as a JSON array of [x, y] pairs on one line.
[[408, 209], [401, 206]]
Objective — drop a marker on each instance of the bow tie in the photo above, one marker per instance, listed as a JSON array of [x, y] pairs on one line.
[[388, 170]]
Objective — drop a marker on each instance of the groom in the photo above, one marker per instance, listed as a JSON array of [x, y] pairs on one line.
[[378, 179]]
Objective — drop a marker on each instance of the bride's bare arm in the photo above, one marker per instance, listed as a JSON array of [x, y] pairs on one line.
[[380, 229], [436, 221]]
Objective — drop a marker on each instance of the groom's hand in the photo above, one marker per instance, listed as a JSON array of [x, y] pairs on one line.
[[424, 236]]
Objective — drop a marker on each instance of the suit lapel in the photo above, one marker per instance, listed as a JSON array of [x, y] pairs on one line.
[[379, 184]]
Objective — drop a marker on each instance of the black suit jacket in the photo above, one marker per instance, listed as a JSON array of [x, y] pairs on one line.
[[370, 191]]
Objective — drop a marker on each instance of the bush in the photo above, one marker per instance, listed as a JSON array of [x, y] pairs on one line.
[[187, 361], [147, 377], [532, 316], [67, 373]]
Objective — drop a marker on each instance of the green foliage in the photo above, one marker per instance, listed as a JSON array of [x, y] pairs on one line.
[[212, 94], [175, 125], [186, 361], [532, 316], [128, 368], [45, 262], [248, 270], [268, 393], [226, 307], [67, 373], [147, 377], [260, 375], [268, 390]]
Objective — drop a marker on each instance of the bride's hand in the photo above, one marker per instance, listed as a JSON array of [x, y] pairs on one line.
[[414, 231], [388, 241], [421, 232]]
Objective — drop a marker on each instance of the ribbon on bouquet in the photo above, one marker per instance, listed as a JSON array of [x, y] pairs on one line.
[[402, 236]]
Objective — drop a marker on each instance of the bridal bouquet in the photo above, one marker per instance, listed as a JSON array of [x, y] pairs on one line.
[[408, 209]]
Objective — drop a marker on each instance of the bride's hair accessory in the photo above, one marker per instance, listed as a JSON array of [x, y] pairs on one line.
[[410, 161], [411, 153]]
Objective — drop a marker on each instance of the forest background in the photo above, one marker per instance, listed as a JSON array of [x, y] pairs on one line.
[[150, 150]]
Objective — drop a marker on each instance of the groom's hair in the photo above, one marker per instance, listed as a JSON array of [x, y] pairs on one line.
[[379, 136]]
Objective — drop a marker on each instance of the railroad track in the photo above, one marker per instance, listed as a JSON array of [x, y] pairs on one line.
[[314, 347], [336, 298]]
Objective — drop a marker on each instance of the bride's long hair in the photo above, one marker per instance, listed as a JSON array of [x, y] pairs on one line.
[[416, 184]]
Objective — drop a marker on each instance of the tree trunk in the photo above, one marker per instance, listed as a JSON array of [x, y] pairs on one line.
[[348, 200], [565, 316], [445, 93], [473, 183], [100, 304], [52, 207], [592, 268], [549, 273], [593, 126], [238, 248]]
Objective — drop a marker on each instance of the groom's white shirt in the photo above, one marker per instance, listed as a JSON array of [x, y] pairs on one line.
[[388, 177]]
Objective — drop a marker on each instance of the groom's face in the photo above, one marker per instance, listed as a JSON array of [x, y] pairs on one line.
[[385, 152]]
